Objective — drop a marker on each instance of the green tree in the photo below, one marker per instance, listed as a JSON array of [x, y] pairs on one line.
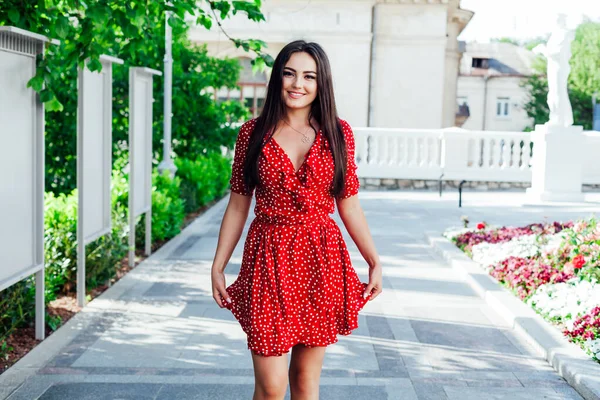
[[584, 79], [134, 31]]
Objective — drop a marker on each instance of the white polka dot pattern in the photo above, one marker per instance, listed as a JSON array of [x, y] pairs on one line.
[[296, 282]]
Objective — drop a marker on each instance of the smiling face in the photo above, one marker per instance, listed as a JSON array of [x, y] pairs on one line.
[[299, 84]]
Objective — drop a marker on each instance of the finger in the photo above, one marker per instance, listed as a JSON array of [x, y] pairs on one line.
[[217, 297], [368, 290], [224, 294], [375, 294]]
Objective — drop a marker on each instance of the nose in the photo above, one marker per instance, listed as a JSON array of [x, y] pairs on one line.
[[297, 82]]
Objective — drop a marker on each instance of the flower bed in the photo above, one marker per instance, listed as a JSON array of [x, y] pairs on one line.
[[554, 268]]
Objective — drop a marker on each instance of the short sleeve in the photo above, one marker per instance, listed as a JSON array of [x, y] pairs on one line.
[[237, 169], [351, 183]]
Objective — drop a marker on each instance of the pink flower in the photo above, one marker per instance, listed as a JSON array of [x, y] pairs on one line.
[[568, 268]]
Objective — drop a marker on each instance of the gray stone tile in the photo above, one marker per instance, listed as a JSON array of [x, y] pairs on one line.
[[379, 327], [488, 375], [569, 392], [236, 392], [187, 244], [429, 391], [401, 392], [463, 336], [176, 289], [494, 383], [31, 389], [101, 391], [498, 393]]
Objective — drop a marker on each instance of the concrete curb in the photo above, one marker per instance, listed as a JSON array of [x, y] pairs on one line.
[[570, 361], [40, 355]]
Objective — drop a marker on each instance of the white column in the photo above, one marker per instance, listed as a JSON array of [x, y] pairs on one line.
[[449, 106], [557, 165]]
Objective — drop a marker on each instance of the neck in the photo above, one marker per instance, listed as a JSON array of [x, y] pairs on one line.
[[297, 117]]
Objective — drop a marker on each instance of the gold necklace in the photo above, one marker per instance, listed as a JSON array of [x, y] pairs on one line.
[[305, 138]]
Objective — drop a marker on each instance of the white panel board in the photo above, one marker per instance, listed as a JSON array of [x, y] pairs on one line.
[[142, 142], [95, 141], [17, 163]]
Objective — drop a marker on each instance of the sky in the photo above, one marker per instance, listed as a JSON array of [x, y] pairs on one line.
[[523, 19]]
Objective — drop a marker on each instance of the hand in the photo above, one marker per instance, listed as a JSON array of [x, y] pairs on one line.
[[375, 285], [218, 288]]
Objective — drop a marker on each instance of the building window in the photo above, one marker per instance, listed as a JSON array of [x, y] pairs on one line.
[[503, 107], [480, 63], [252, 88]]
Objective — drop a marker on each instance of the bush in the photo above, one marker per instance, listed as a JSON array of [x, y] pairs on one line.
[[208, 179], [198, 191], [167, 210]]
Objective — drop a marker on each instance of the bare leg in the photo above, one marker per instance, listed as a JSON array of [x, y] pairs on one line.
[[270, 377], [305, 372]]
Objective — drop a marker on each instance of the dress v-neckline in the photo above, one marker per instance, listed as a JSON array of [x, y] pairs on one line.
[[289, 160]]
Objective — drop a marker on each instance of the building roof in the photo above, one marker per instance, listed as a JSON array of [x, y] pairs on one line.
[[503, 59]]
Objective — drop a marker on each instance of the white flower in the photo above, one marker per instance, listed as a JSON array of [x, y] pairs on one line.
[[566, 300], [525, 246], [593, 347]]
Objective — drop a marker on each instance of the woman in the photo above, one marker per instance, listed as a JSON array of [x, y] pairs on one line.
[[297, 289]]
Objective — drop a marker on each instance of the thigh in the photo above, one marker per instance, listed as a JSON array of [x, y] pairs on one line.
[[270, 372], [307, 360]]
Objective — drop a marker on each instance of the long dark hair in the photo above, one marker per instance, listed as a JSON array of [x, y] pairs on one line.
[[322, 109]]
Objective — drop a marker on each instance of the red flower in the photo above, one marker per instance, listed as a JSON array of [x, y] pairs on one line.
[[578, 261], [480, 226]]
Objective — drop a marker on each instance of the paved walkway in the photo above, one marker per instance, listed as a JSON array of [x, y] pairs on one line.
[[157, 333]]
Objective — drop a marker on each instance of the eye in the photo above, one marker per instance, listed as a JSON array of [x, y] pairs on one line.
[[287, 73], [311, 77]]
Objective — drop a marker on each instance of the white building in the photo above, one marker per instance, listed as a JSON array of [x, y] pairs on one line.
[[395, 62], [490, 81]]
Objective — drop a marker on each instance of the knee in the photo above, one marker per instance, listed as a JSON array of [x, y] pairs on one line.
[[304, 382], [273, 387]]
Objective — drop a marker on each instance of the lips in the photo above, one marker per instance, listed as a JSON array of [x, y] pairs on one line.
[[295, 95]]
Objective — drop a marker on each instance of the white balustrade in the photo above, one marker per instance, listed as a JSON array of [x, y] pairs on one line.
[[457, 153], [486, 156], [398, 153]]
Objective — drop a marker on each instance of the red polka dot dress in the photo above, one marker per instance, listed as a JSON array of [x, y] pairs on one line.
[[296, 282]]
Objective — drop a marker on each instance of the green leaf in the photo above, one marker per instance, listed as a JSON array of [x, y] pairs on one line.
[[62, 27], [13, 15], [94, 65], [268, 59], [250, 8], [53, 105], [258, 64], [36, 83], [222, 6], [204, 20], [46, 95]]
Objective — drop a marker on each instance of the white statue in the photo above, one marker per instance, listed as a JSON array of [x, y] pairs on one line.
[[558, 53]]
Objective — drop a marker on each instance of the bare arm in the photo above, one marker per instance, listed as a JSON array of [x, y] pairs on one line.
[[232, 226], [355, 222]]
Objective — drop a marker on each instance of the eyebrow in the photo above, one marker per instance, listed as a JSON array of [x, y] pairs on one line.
[[306, 72]]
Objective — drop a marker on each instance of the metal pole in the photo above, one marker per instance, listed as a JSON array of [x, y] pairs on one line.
[[460, 193], [440, 181], [167, 162], [371, 99]]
